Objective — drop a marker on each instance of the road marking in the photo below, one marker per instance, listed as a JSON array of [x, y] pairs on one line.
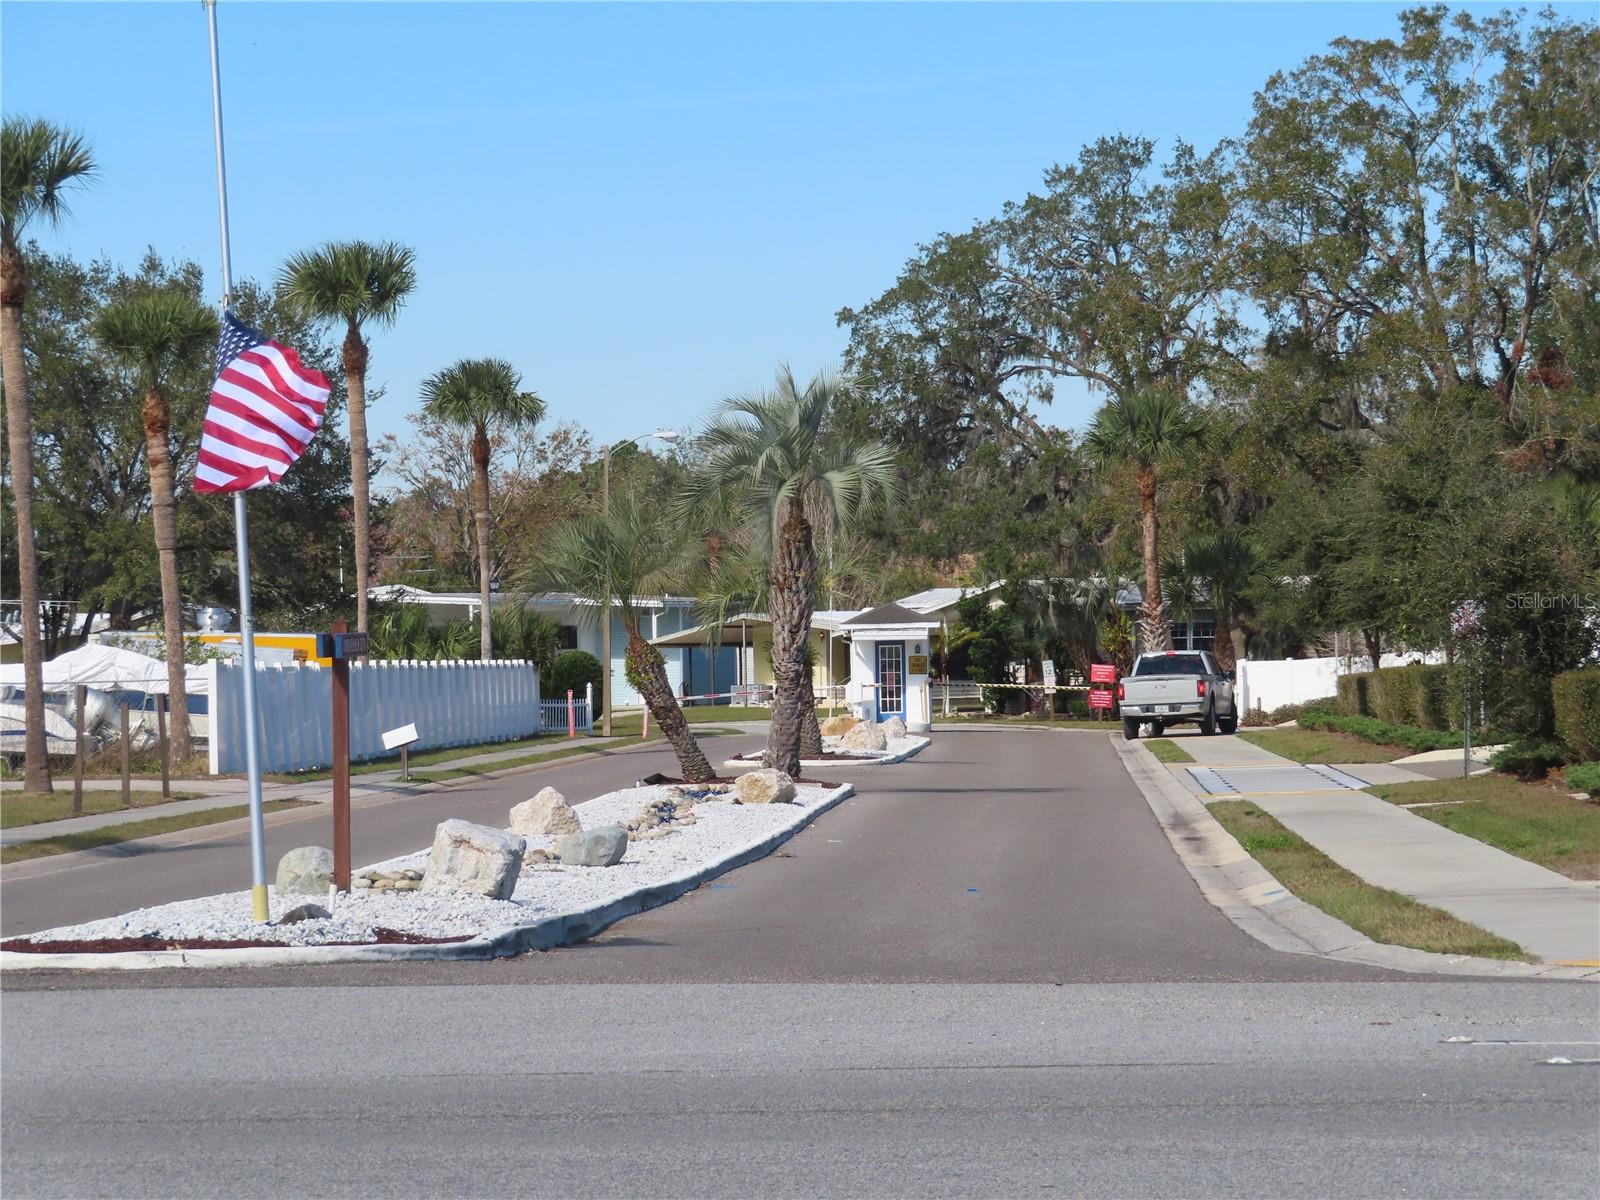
[[1463, 1040]]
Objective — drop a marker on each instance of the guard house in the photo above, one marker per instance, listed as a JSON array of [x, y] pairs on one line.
[[889, 666]]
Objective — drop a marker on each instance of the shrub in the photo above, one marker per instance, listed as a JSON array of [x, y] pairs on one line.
[[1576, 699], [1527, 759], [1585, 777], [574, 669], [1288, 712], [1429, 697], [1383, 732]]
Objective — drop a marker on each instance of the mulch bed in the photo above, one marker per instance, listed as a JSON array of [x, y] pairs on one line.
[[380, 937]]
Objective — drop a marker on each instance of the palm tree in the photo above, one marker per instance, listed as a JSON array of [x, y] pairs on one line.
[[360, 284], [771, 456], [481, 394], [153, 332], [37, 163], [1148, 430], [1218, 570], [629, 550]]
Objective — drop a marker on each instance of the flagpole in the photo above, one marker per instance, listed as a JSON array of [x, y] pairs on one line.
[[241, 520]]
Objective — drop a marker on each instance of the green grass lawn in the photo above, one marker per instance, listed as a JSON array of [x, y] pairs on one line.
[[133, 830], [32, 808], [1321, 746], [1530, 820], [1382, 915], [627, 724], [568, 751], [1167, 750]]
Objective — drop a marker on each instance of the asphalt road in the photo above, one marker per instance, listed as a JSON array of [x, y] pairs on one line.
[[986, 975]]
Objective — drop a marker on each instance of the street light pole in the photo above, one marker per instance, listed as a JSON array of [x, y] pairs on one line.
[[669, 436]]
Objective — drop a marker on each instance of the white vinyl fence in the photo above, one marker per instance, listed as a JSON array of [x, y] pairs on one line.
[[1270, 684], [556, 714], [451, 704]]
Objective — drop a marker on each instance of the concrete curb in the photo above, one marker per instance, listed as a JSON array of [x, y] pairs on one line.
[[738, 764], [1262, 907], [543, 934]]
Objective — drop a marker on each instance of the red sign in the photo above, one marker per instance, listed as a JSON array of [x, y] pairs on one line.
[[1102, 672], [1100, 699]]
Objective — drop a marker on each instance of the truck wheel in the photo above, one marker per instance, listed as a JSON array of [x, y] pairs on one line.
[[1157, 729], [1228, 724], [1208, 723], [1130, 728]]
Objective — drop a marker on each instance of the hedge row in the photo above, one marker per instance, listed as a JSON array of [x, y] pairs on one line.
[[1429, 697], [1585, 777], [1375, 730], [1576, 696]]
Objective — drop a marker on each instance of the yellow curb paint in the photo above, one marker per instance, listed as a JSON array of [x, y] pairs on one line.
[[1575, 962], [258, 903], [1312, 792]]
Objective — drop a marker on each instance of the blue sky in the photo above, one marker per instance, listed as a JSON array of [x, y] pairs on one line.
[[644, 207]]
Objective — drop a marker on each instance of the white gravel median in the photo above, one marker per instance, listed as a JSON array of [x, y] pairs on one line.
[[899, 749], [654, 869]]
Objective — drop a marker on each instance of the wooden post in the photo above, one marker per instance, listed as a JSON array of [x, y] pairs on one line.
[[161, 745], [644, 724], [127, 758], [405, 766], [81, 694], [341, 767], [572, 717]]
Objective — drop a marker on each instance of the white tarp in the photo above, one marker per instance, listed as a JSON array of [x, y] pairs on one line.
[[107, 667]]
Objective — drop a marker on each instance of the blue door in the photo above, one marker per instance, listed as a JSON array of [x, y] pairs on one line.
[[891, 679]]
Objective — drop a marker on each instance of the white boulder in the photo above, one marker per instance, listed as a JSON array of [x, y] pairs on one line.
[[602, 846], [305, 871], [764, 787], [893, 728], [834, 726], [547, 813], [473, 860], [865, 736]]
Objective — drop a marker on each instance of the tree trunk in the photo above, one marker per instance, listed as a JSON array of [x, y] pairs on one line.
[[810, 730], [163, 512], [647, 672], [355, 385], [480, 488], [1154, 628], [794, 577], [19, 439], [1240, 647], [1374, 640], [1222, 642]]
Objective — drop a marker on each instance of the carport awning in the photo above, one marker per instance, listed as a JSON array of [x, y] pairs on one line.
[[732, 630]]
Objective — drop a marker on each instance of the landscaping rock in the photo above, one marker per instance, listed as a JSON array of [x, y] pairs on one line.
[[305, 871], [766, 786], [865, 737], [473, 860], [837, 726], [547, 813], [602, 846], [306, 912], [893, 728]]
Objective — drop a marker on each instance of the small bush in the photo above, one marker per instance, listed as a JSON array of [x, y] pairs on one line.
[[1585, 777], [1528, 760], [1576, 696], [574, 669], [1383, 732]]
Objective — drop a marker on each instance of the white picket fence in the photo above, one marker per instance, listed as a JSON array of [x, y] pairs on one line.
[[555, 715], [451, 704]]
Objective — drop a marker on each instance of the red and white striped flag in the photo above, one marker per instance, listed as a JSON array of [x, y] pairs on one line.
[[266, 406]]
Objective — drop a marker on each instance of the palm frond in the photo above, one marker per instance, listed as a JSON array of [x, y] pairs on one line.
[[38, 161], [154, 331], [358, 282], [481, 393]]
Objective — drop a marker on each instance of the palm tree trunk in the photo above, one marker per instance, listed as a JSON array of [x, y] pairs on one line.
[[810, 730], [1222, 642], [355, 386], [794, 576], [1154, 628], [647, 672], [19, 439], [480, 487], [1236, 635], [163, 512]]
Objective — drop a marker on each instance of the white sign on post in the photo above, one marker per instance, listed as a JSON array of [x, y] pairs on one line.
[[404, 736], [1049, 673]]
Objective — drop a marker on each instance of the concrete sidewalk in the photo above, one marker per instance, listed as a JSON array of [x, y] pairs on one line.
[[1546, 913]]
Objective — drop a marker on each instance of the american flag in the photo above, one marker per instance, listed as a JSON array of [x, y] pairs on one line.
[[266, 406]]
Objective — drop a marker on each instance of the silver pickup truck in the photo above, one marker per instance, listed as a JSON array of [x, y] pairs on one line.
[[1174, 688]]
